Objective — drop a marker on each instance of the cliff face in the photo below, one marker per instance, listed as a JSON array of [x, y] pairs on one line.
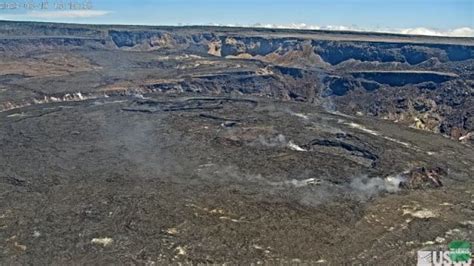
[[368, 74], [235, 42], [330, 51]]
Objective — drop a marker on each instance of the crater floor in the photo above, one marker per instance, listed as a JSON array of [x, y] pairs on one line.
[[220, 180]]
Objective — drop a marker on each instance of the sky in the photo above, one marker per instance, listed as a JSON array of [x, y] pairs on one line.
[[434, 17]]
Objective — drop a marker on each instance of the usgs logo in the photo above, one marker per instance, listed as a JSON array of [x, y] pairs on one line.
[[459, 254], [439, 258]]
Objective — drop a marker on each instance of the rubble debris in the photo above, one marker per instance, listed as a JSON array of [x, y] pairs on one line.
[[466, 138], [17, 115], [303, 116], [298, 183], [181, 250], [20, 247], [172, 231], [229, 219], [294, 147], [229, 124], [420, 214], [226, 122], [446, 204], [36, 234], [105, 241], [423, 178]]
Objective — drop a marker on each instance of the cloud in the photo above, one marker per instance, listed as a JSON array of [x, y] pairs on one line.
[[67, 14], [458, 32]]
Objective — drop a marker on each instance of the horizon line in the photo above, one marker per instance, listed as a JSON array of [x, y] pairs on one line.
[[260, 26]]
